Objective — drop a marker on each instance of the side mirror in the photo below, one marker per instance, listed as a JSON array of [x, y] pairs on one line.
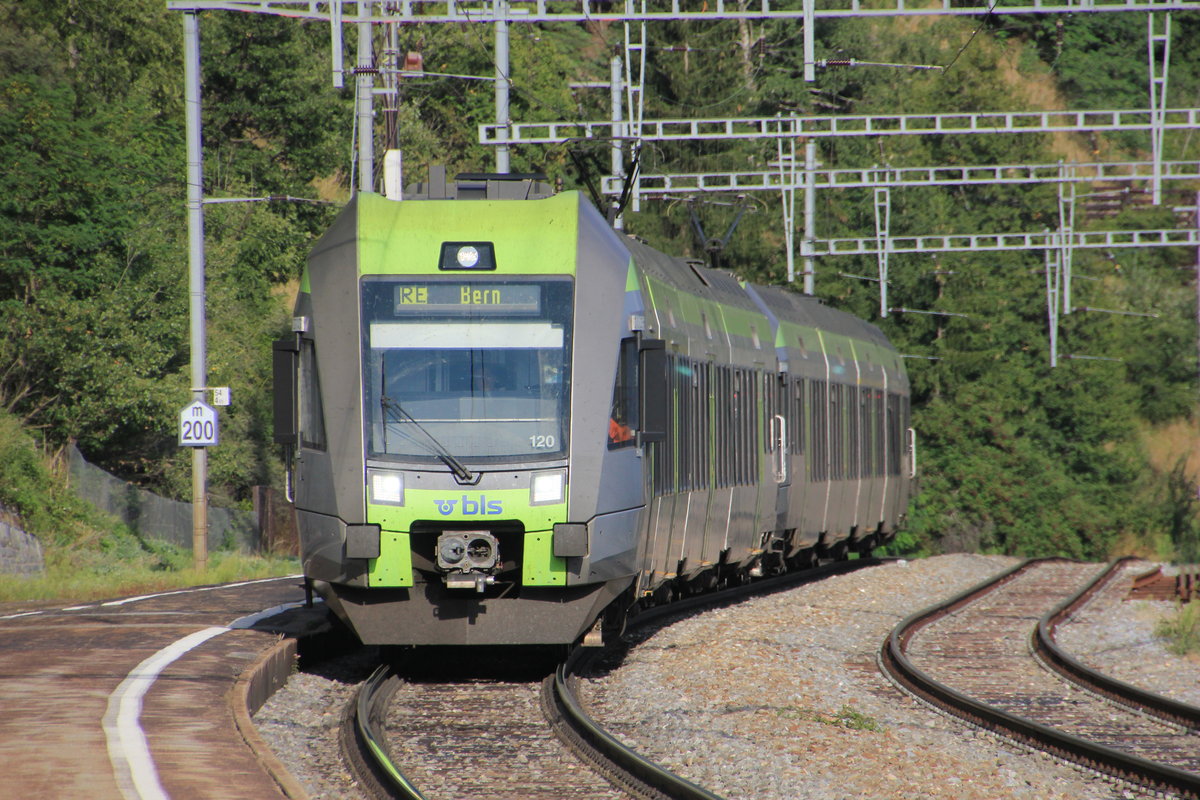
[[285, 363], [654, 390]]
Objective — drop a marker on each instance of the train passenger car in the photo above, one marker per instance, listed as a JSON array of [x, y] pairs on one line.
[[509, 423]]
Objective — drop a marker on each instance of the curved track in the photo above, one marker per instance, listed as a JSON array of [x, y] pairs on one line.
[[480, 738], [972, 656]]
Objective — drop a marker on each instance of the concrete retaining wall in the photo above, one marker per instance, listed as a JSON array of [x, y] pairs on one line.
[[20, 553]]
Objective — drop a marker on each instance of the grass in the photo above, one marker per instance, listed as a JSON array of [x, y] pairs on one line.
[[846, 717], [90, 555], [1181, 632], [102, 578]]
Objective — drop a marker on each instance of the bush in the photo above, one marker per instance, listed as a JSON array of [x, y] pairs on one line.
[[1181, 633], [89, 554]]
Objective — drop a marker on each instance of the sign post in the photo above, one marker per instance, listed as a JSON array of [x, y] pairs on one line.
[[197, 324], [198, 426], [198, 429]]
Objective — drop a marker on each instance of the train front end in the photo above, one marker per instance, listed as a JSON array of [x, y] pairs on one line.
[[448, 445]]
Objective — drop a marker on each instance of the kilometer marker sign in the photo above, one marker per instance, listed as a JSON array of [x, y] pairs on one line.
[[198, 425]]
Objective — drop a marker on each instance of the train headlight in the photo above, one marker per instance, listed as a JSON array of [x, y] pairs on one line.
[[386, 487], [547, 487], [467, 255]]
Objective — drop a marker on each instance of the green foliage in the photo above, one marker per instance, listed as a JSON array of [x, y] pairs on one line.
[[272, 120], [1016, 456], [70, 529], [846, 717], [93, 276], [1181, 633], [88, 554]]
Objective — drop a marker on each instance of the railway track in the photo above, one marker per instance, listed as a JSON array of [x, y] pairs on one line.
[[988, 656], [486, 737]]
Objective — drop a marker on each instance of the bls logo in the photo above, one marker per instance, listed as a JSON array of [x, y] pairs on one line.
[[470, 506]]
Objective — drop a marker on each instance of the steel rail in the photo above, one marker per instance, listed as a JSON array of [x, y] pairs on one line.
[[596, 745], [1126, 694], [583, 729], [364, 743], [1125, 766]]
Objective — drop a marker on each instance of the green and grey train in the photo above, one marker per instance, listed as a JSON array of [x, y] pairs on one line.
[[509, 423]]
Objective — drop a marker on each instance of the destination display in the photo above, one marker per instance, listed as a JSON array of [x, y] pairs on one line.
[[468, 298]]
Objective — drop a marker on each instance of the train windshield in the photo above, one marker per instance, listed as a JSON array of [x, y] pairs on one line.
[[474, 370]]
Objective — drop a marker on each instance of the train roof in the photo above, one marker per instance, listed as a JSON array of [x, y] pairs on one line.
[[690, 276], [724, 287], [808, 310]]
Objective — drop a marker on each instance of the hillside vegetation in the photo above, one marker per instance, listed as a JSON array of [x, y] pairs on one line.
[[1016, 457]]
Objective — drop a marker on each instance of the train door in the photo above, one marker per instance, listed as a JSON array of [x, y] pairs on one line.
[[779, 426], [798, 477]]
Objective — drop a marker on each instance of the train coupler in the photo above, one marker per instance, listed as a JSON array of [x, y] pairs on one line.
[[470, 580], [468, 558]]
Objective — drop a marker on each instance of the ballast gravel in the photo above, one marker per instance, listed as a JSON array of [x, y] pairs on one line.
[[779, 697]]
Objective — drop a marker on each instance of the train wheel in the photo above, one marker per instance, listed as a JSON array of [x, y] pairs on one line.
[[864, 547], [805, 559]]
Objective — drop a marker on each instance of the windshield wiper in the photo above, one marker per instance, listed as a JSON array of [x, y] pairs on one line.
[[461, 473]]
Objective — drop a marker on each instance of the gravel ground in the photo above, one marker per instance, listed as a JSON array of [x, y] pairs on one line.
[[1116, 637], [780, 697], [300, 723]]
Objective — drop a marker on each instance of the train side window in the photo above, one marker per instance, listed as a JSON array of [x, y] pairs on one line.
[[670, 447], [694, 424], [623, 414], [682, 379], [797, 413], [738, 417], [837, 413], [734, 433], [868, 433], [663, 452], [768, 431], [726, 426], [753, 445], [880, 441], [819, 416], [854, 432], [893, 433], [312, 416], [704, 424], [724, 409], [866, 450]]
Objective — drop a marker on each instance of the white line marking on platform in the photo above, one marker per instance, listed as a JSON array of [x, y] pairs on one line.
[[128, 749], [126, 600]]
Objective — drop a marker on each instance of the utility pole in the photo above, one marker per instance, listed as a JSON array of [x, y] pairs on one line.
[[366, 102], [502, 113], [616, 153], [810, 156], [199, 347], [810, 216]]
